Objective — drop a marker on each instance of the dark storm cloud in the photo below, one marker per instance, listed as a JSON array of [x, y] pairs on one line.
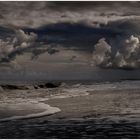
[[38, 51], [90, 4], [75, 35]]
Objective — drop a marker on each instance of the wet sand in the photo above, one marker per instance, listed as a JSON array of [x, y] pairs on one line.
[[110, 103]]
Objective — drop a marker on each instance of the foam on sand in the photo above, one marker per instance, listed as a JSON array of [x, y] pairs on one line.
[[26, 110]]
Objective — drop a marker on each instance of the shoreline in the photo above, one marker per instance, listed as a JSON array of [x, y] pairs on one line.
[[98, 114], [25, 111], [70, 105]]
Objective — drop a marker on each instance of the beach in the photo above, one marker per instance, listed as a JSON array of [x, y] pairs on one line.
[[55, 113]]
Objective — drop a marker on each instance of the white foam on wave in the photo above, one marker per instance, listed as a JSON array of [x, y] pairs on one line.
[[69, 95], [44, 108], [106, 86]]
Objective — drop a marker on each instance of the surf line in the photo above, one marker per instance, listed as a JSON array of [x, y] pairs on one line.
[[48, 110]]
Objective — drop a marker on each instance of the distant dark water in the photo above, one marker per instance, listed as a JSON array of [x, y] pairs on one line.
[[38, 128]]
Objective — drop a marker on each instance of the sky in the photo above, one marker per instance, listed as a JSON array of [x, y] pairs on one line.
[[42, 40]]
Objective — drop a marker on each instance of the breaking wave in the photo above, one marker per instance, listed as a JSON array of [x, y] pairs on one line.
[[36, 109]]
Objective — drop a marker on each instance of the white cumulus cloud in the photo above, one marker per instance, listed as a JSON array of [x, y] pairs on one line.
[[128, 56], [102, 52], [10, 46]]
